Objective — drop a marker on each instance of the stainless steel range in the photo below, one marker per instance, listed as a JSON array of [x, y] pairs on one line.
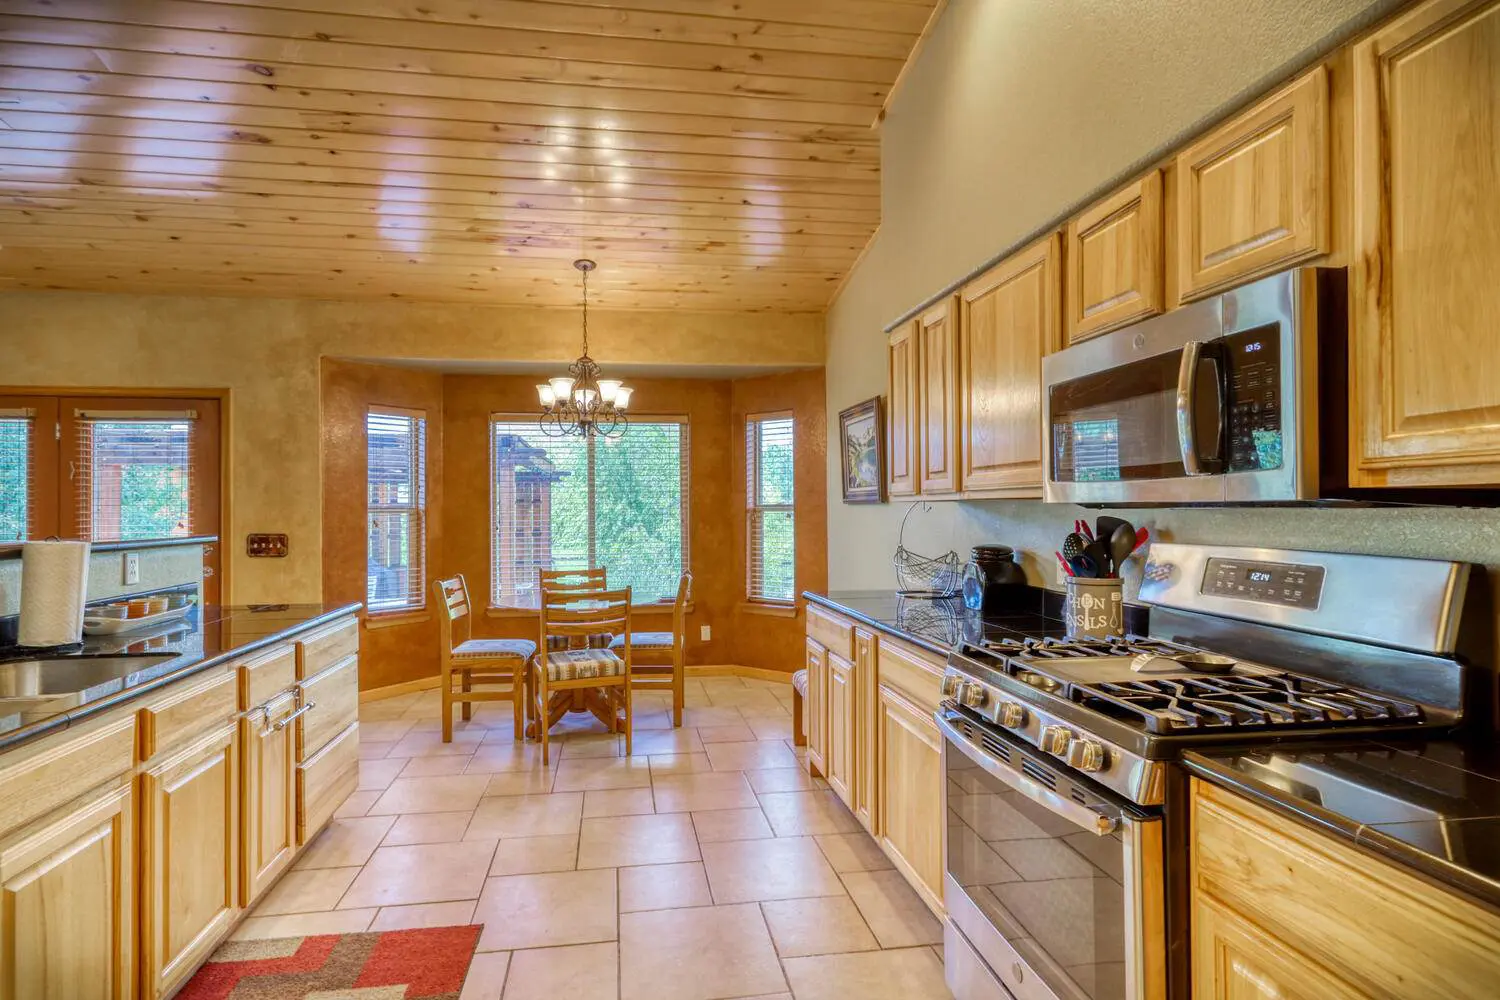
[[1066, 823]]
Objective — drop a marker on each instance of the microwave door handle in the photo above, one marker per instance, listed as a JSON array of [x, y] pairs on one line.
[[1187, 406]]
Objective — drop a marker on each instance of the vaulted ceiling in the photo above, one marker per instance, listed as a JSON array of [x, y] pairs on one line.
[[708, 153]]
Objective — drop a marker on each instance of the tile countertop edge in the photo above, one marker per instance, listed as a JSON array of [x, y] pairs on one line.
[[824, 601], [1439, 871], [45, 727]]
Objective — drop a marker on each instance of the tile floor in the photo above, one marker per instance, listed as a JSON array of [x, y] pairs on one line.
[[707, 866]]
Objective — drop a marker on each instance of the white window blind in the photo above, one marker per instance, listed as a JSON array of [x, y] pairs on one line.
[[16, 470], [396, 444], [770, 519], [567, 503], [135, 476]]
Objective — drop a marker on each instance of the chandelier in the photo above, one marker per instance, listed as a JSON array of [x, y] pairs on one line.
[[582, 404]]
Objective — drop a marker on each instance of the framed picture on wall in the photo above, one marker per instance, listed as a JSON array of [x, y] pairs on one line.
[[862, 445]]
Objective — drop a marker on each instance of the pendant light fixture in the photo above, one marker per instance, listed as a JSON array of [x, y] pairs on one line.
[[581, 404]]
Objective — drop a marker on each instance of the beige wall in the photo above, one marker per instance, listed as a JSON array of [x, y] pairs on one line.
[[1013, 115], [266, 352]]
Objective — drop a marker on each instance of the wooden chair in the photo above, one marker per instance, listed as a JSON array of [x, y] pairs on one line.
[[483, 661], [657, 658], [565, 615], [576, 581]]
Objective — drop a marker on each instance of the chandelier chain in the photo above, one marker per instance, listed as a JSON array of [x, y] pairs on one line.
[[585, 312]]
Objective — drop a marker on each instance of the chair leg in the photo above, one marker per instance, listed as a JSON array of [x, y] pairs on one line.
[[541, 719], [518, 703], [629, 724], [799, 738], [466, 703], [447, 682], [678, 683]]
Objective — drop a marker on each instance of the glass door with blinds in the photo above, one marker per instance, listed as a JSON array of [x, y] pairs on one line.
[[28, 468], [396, 486], [770, 529]]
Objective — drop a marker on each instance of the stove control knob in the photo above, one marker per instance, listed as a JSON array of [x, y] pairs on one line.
[[974, 696], [951, 685], [1055, 739], [1011, 715], [1086, 755]]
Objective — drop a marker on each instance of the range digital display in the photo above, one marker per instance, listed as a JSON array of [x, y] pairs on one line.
[[1290, 584]]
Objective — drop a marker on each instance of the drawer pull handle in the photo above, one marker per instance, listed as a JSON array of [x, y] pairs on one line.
[[288, 720]]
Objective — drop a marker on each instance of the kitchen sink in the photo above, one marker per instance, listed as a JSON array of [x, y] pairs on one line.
[[49, 677]]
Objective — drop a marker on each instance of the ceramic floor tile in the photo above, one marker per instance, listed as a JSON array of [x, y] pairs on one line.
[[669, 741], [486, 978], [852, 852], [426, 767], [778, 727], [430, 744], [697, 954], [346, 842], [797, 814], [400, 918], [592, 745], [384, 731], [507, 755], [679, 763], [784, 779], [731, 824], [530, 782], [904, 974], [745, 698], [702, 790], [443, 793], [736, 732], [825, 926], [428, 828], [663, 887], [616, 841], [377, 775], [532, 855], [707, 716], [893, 909], [617, 802], [421, 873], [357, 804], [304, 924], [742, 871], [750, 756], [373, 751], [306, 890], [577, 972], [542, 911], [526, 816], [583, 774]]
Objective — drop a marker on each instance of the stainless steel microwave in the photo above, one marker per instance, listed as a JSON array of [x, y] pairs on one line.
[[1215, 402]]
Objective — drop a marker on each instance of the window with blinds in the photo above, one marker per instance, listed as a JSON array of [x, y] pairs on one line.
[[16, 470], [567, 503], [770, 531], [134, 473], [396, 478]]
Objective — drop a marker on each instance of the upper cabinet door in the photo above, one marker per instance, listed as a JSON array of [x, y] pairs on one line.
[[1426, 302], [1008, 319], [1252, 195], [937, 396], [1115, 264], [903, 436]]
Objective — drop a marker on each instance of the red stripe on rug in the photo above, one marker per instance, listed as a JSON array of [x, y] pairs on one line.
[[428, 961], [217, 980]]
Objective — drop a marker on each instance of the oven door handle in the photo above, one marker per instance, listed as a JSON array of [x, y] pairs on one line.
[[1086, 817]]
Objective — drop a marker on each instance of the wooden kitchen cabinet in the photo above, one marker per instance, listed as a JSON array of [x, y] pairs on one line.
[[1426, 303], [937, 399], [268, 810], [189, 856], [909, 761], [903, 434], [67, 902], [817, 707], [1116, 267], [1008, 319], [1253, 194], [1280, 909], [838, 755], [864, 727]]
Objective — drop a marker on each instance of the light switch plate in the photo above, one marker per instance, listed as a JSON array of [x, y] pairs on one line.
[[705, 633], [132, 568]]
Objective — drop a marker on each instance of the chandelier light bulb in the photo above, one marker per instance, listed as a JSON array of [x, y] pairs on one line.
[[562, 387], [608, 388], [622, 397], [581, 404], [546, 395]]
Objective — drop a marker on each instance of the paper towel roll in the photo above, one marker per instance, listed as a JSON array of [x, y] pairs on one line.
[[54, 583]]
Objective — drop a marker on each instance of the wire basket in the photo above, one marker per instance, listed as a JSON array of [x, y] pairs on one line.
[[923, 576]]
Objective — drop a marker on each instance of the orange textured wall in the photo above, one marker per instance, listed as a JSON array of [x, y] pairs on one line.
[[761, 639], [399, 648], [468, 402]]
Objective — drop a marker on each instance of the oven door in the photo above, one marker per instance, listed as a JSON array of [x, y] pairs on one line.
[[1053, 884]]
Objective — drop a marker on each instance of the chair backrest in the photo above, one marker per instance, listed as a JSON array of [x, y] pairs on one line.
[[576, 581], [568, 613], [679, 610], [453, 606]]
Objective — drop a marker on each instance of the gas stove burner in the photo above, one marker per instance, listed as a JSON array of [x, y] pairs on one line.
[[1053, 648]]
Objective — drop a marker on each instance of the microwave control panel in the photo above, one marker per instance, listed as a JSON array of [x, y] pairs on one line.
[[1254, 398], [1292, 584]]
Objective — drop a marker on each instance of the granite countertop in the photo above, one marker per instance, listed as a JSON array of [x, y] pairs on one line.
[[1432, 806], [13, 550], [209, 635]]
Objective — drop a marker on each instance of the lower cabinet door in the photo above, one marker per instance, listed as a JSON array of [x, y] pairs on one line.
[[817, 707], [189, 857], [864, 728], [839, 753], [325, 780], [268, 807], [67, 903], [909, 803], [1235, 960]]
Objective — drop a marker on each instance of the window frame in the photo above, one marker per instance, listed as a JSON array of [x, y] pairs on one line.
[[419, 508], [754, 509], [685, 493]]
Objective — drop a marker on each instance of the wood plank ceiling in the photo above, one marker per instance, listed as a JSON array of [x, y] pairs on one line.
[[708, 153]]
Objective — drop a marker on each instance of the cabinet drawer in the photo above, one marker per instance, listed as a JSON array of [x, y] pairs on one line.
[[331, 700], [323, 647], [325, 781], [833, 632], [1384, 930], [917, 675], [264, 676], [187, 711], [39, 777]]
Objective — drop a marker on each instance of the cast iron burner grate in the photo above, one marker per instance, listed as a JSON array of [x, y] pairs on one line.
[[1054, 649]]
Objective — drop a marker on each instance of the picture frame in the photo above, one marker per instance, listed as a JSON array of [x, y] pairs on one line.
[[862, 451]]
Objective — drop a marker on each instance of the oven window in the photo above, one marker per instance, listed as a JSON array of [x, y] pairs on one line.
[[1119, 424], [1054, 891]]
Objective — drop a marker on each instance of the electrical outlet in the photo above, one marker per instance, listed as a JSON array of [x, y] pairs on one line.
[[132, 568], [705, 633]]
